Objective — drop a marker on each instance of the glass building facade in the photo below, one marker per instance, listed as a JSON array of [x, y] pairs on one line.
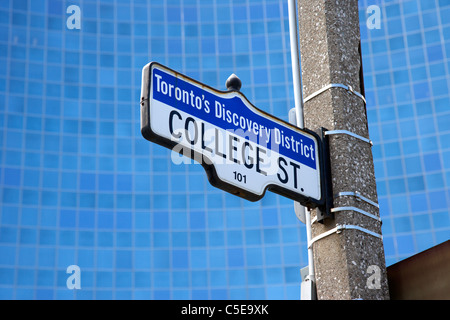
[[80, 186]]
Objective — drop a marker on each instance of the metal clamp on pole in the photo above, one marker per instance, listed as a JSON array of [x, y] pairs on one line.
[[335, 85], [358, 197], [356, 210], [354, 135], [350, 208], [338, 229]]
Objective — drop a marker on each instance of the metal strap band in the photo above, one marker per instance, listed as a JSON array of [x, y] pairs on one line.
[[345, 226], [358, 197], [339, 228], [354, 135], [321, 236], [313, 220], [356, 210], [335, 85]]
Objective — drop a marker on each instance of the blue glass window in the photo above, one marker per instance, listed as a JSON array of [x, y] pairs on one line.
[[399, 205], [409, 7], [190, 14], [405, 244], [395, 26], [435, 53], [217, 278], [397, 186], [217, 258], [432, 162], [198, 239], [236, 277], [416, 184], [443, 122], [173, 14], [394, 167], [424, 241], [418, 202], [432, 36], [426, 125], [414, 40], [430, 19], [401, 76], [408, 129], [180, 259], [439, 87], [412, 22], [416, 56], [199, 260], [235, 257], [435, 181]]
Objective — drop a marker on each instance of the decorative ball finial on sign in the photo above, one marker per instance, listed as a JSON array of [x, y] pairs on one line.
[[233, 83]]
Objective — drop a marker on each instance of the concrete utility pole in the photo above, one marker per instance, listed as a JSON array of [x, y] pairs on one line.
[[348, 250]]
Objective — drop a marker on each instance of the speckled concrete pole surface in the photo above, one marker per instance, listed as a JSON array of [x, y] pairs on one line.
[[349, 264]]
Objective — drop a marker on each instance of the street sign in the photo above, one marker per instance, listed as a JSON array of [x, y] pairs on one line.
[[244, 150]]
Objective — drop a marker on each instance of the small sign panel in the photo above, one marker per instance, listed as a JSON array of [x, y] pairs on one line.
[[244, 150]]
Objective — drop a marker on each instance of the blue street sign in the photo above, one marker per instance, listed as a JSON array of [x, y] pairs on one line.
[[244, 150]]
